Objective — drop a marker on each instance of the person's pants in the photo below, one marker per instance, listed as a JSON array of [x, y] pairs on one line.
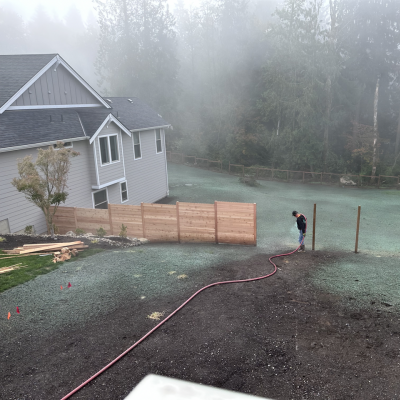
[[301, 237]]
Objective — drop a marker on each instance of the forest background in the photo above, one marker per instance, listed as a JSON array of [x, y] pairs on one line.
[[307, 85]]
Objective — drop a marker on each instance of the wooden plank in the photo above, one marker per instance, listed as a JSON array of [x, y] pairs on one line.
[[143, 224], [75, 219], [60, 246], [50, 244], [110, 219]]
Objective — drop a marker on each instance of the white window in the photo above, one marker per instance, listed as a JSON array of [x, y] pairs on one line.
[[158, 141], [109, 149], [136, 145], [100, 199], [124, 192], [67, 145]]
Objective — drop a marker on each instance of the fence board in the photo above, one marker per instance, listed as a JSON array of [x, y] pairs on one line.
[[236, 222]]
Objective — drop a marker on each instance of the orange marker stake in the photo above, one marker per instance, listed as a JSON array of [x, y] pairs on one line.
[[9, 315], [60, 287], [18, 310], [69, 284]]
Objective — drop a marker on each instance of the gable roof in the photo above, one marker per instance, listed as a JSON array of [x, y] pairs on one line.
[[135, 115], [27, 128], [17, 70]]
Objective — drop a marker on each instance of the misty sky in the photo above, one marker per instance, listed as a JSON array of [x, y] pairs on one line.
[[27, 7]]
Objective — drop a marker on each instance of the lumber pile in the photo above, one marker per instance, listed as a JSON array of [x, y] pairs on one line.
[[61, 251], [11, 268]]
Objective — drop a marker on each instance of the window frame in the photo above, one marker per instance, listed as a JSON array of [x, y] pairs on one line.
[[70, 146], [127, 194], [159, 129], [97, 191], [109, 149], [140, 146]]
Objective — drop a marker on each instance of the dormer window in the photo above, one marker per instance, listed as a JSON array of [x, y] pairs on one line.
[[158, 141], [109, 149]]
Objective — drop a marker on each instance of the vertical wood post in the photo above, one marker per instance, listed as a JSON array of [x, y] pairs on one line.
[[255, 224], [303, 176], [76, 219], [313, 229], [110, 219], [177, 221], [216, 221], [143, 226], [358, 228]]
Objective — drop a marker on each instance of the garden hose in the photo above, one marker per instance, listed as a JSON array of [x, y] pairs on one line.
[[174, 312]]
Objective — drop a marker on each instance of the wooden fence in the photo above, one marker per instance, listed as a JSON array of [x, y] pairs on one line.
[[221, 222]]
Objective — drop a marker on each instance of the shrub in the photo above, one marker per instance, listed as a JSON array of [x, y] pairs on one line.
[[101, 232], [2, 239], [79, 232], [249, 180], [124, 231], [28, 230]]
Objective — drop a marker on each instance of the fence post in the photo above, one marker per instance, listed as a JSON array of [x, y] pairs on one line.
[[110, 219], [313, 229], [76, 219], [255, 224], [303, 176], [358, 228], [177, 221], [216, 221], [143, 227]]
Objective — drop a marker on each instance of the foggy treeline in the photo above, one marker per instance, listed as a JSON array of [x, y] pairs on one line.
[[298, 84]]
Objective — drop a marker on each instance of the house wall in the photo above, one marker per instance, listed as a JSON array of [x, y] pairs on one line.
[[56, 88], [20, 212], [146, 177], [113, 171]]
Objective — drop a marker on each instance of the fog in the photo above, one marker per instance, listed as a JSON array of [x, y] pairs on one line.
[[298, 84]]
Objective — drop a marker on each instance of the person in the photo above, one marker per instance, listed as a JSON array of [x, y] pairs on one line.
[[301, 226]]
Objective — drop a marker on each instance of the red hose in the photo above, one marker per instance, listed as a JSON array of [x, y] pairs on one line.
[[173, 313]]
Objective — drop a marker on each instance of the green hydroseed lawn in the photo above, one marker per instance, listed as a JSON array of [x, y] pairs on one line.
[[33, 266]]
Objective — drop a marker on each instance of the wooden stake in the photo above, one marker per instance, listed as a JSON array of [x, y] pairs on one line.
[[216, 222], [177, 221], [255, 224], [358, 228], [143, 227], [313, 230]]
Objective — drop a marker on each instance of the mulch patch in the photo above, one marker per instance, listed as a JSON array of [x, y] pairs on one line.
[[279, 338]]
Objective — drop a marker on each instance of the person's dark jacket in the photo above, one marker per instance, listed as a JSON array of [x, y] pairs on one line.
[[301, 223]]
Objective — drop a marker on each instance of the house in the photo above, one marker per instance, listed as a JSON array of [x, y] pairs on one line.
[[121, 140]]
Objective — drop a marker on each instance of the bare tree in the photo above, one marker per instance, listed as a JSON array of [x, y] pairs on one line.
[[44, 181]]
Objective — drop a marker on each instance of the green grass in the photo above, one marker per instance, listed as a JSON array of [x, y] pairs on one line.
[[36, 266]]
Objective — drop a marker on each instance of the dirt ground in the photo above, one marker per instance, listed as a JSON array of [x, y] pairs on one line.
[[280, 338]]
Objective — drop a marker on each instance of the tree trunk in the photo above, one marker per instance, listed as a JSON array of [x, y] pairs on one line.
[[376, 134], [328, 89]]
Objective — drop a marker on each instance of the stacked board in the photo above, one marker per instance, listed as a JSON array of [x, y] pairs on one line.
[[40, 248]]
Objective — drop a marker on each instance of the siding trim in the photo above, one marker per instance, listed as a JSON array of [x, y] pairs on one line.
[[122, 152], [33, 145], [110, 118], [104, 185], [44, 107], [27, 85], [95, 161], [149, 129]]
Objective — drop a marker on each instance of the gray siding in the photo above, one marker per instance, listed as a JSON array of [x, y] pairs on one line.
[[19, 211], [110, 172], [56, 88], [146, 177]]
